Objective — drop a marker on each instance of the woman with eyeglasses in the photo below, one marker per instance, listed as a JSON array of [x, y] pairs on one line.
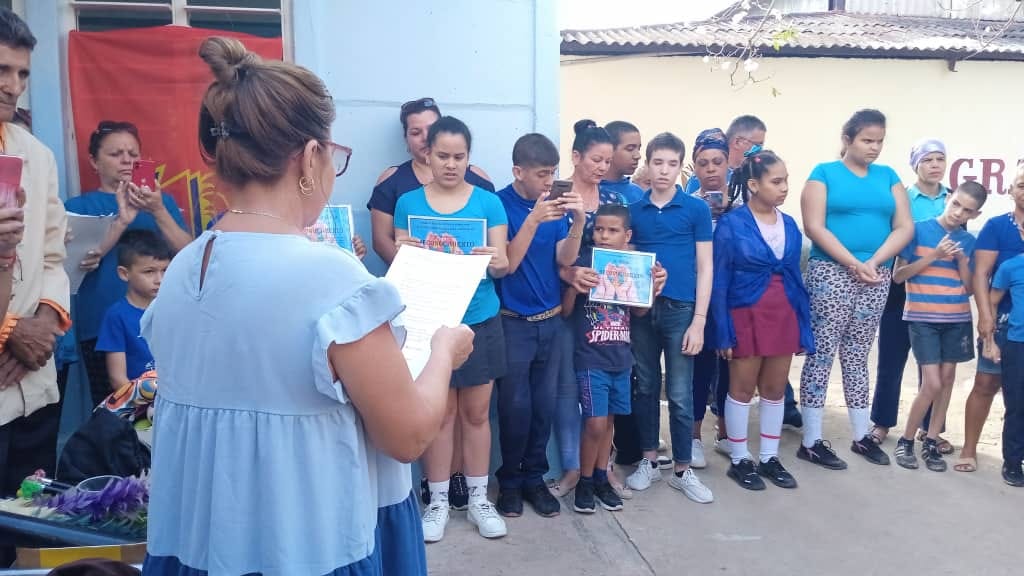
[[416, 116], [277, 442], [113, 149]]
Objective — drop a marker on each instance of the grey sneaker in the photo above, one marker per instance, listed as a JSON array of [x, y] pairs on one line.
[[905, 454], [931, 456], [644, 475], [690, 485]]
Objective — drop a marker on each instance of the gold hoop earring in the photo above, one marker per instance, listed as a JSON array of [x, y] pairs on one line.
[[306, 184]]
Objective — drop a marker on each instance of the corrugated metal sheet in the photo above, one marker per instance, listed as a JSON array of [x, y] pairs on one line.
[[819, 34], [971, 9]]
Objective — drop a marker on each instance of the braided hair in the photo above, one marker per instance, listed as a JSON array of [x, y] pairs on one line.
[[754, 167]]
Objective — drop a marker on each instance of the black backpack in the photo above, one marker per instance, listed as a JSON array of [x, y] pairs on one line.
[[104, 445]]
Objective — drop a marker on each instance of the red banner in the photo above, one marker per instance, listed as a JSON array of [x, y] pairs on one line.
[[154, 78]]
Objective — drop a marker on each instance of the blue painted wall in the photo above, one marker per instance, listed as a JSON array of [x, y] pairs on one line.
[[49, 116], [492, 63]]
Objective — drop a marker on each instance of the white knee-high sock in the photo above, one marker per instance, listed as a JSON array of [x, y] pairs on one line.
[[438, 491], [771, 427], [860, 422], [737, 420], [812, 425]]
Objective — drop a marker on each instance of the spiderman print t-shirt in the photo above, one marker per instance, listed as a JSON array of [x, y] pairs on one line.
[[602, 336]]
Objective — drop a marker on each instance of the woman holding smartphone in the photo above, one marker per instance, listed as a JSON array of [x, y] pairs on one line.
[[450, 195], [710, 372], [113, 149]]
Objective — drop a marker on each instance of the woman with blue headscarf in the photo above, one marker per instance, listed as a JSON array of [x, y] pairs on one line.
[[711, 168], [927, 200]]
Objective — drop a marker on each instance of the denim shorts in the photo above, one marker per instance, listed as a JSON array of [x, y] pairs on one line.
[[986, 366], [603, 393], [941, 343]]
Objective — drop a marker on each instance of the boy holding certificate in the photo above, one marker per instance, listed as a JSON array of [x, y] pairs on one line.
[[602, 360], [540, 239]]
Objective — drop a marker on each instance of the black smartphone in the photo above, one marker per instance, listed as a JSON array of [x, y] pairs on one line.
[[560, 188]]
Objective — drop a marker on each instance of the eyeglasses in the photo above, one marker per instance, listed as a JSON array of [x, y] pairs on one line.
[[750, 142], [340, 155], [420, 103]]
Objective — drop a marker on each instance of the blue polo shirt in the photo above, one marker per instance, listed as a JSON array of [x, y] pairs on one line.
[[672, 232], [1010, 277], [1000, 235], [631, 192], [924, 207], [535, 286]]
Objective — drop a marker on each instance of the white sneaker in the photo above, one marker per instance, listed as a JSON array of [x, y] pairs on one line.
[[643, 477], [697, 454], [483, 515], [722, 447], [690, 485], [435, 519]]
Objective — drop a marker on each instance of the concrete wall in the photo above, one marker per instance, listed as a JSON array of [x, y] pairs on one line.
[[975, 109], [376, 55]]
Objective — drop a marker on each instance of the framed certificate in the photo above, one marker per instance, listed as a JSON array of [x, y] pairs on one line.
[[334, 226], [449, 235], [625, 277]]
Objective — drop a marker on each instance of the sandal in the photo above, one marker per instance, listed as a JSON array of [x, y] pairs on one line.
[[943, 445], [966, 465], [878, 434]]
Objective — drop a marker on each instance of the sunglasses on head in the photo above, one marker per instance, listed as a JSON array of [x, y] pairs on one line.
[[422, 103]]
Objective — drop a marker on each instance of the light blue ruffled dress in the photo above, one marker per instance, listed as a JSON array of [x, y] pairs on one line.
[[261, 464]]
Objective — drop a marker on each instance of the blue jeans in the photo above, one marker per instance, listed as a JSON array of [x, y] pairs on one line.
[[526, 399], [568, 421], [662, 330]]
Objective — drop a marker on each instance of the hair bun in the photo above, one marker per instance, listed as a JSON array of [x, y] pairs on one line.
[[227, 58], [583, 125]]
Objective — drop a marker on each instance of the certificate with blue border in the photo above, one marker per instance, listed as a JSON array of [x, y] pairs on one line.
[[334, 226], [626, 277]]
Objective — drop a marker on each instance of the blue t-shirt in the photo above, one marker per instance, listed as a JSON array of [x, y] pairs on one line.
[[858, 210], [924, 207], [937, 293], [121, 332], [1001, 235], [482, 205], [672, 233], [102, 287], [535, 285], [1010, 277], [631, 192]]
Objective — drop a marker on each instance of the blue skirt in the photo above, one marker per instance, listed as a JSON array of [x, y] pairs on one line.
[[399, 550]]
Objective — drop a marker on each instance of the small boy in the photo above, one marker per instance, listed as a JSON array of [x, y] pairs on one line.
[[936, 266], [677, 228], [1010, 278], [141, 262], [602, 361], [540, 240]]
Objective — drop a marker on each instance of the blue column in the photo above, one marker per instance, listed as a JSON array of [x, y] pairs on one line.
[[46, 82]]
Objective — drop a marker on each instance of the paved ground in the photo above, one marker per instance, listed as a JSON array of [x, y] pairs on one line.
[[864, 520]]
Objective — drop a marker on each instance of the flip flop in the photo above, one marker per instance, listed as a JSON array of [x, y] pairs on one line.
[[966, 465]]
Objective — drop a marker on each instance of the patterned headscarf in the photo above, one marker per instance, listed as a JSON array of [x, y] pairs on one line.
[[924, 148], [711, 139]]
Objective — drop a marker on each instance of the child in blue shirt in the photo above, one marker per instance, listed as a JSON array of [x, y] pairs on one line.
[[602, 360], [142, 260], [541, 239], [1009, 279]]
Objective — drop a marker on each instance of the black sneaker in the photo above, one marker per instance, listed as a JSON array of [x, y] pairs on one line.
[[871, 452], [609, 498], [931, 455], [822, 455], [510, 502], [905, 454], [1013, 475], [776, 473], [583, 497], [792, 419], [745, 474], [542, 501], [458, 492], [425, 491]]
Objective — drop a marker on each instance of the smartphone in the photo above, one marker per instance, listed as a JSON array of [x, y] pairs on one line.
[[10, 180], [560, 188], [715, 199], [144, 173]]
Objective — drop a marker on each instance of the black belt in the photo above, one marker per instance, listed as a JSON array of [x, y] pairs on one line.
[[535, 317]]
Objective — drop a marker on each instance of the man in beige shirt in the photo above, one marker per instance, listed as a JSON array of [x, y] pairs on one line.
[[37, 314]]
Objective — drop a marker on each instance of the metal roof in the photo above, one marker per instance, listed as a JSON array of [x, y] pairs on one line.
[[817, 34]]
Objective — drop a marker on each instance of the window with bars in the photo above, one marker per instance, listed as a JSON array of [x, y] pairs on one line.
[[257, 17]]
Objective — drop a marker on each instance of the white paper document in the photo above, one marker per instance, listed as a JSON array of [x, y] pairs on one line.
[[436, 289], [87, 232]]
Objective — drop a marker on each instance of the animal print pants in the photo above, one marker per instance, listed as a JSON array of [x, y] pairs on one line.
[[845, 314]]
